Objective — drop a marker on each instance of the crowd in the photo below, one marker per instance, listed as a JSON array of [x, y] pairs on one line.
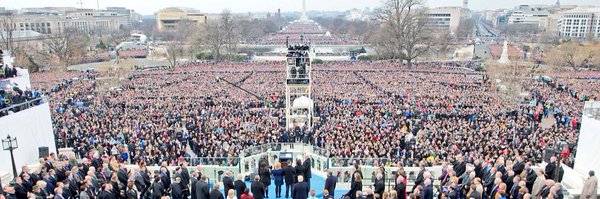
[[375, 113], [383, 113]]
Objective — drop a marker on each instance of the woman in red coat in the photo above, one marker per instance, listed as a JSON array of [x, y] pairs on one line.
[[246, 194]]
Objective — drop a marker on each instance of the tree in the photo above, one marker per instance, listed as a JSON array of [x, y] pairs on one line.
[[254, 29], [573, 55], [465, 28], [402, 28], [443, 41], [8, 27], [214, 39], [229, 29], [65, 47]]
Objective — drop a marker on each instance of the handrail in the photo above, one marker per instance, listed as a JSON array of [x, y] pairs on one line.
[[29, 104]]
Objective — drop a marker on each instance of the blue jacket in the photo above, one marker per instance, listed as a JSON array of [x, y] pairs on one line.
[[278, 175]]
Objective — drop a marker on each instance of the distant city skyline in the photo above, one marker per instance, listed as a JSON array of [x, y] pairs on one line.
[[149, 7]]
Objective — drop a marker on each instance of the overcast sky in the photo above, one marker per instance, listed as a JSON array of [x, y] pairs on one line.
[[147, 7]]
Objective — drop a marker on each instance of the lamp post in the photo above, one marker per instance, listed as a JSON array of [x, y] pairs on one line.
[[10, 144]]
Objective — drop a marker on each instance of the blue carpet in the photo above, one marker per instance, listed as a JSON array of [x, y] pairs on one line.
[[317, 183]]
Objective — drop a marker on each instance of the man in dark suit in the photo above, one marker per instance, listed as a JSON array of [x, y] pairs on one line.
[[494, 189], [550, 167], [514, 189], [289, 172], [419, 179], [519, 166], [400, 187], [122, 175], [307, 167], [227, 182], [474, 193], [460, 166], [379, 185], [530, 177], [300, 189], [489, 182], [157, 187], [177, 189], [202, 190], [215, 193], [185, 179], [193, 182], [478, 169], [106, 192], [49, 185], [427, 192], [330, 183], [239, 186], [257, 188], [164, 177], [20, 190]]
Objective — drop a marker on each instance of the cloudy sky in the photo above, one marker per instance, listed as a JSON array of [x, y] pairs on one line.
[[147, 7]]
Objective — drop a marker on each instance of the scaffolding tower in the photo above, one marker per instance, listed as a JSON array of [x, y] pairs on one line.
[[298, 86]]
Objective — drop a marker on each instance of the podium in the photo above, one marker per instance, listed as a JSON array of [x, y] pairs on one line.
[[284, 157]]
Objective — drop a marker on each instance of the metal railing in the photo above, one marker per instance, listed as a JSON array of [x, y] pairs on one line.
[[217, 161], [284, 146], [23, 105], [373, 162]]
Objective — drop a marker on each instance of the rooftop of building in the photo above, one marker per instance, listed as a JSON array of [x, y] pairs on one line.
[[583, 9], [179, 9]]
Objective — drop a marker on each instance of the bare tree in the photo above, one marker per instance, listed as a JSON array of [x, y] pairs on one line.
[[8, 28], [214, 39], [573, 55], [443, 41], [65, 47], [465, 28], [229, 29], [175, 50], [417, 40], [252, 29], [403, 27]]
